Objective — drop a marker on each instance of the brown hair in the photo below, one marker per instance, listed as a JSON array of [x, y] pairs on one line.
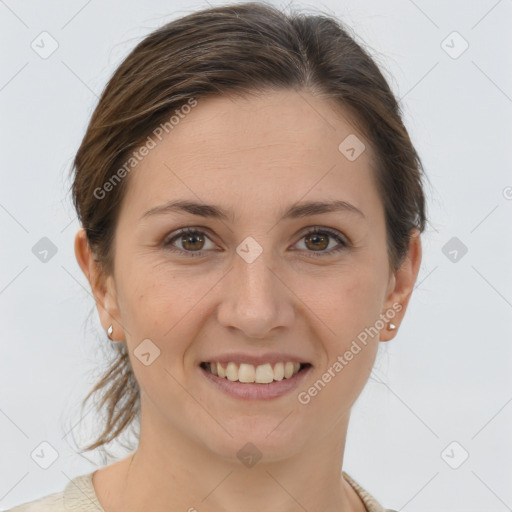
[[238, 49]]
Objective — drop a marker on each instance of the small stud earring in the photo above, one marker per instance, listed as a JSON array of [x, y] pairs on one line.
[[110, 330], [391, 326]]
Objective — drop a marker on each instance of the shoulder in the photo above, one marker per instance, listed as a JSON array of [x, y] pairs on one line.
[[77, 496], [370, 503], [50, 503]]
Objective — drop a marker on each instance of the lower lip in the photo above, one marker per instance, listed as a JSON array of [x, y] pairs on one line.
[[254, 391]]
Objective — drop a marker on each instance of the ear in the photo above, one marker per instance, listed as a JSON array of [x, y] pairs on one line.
[[401, 285], [102, 286]]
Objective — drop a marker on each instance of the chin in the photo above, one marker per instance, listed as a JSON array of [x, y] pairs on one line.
[[264, 439]]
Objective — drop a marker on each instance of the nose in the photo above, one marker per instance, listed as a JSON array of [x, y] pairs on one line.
[[255, 298]]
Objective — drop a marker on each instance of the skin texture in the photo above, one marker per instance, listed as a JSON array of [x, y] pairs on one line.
[[256, 156]]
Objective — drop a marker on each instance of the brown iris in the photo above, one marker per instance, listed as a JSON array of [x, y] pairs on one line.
[[192, 238], [315, 237]]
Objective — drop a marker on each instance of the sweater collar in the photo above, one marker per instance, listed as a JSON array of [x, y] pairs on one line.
[[79, 494]]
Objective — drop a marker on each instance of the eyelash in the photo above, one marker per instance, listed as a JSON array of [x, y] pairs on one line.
[[191, 231]]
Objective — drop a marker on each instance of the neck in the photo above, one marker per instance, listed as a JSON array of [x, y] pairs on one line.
[[171, 472]]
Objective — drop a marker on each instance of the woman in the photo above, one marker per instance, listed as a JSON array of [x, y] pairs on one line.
[[251, 206]]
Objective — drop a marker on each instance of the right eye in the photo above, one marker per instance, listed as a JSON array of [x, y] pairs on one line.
[[190, 237]]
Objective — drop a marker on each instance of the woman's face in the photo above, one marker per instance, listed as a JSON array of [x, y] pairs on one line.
[[254, 281]]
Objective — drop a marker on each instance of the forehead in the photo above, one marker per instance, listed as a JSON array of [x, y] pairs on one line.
[[255, 149]]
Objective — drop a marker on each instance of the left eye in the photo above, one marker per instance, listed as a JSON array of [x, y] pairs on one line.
[[318, 237]]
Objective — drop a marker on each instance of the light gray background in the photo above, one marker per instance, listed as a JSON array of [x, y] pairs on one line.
[[447, 375]]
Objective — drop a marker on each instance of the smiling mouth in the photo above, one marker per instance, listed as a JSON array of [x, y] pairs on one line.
[[248, 373]]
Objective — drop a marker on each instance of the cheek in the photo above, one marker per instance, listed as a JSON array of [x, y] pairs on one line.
[[163, 305], [349, 338], [346, 300], [349, 329], [148, 307]]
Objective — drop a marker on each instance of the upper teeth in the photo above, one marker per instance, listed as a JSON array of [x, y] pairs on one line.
[[262, 374]]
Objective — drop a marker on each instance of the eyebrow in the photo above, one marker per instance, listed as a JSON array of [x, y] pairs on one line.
[[295, 211]]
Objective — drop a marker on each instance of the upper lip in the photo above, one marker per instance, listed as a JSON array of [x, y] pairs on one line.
[[238, 358]]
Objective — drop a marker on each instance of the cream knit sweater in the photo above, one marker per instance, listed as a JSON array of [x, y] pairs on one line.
[[79, 496]]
